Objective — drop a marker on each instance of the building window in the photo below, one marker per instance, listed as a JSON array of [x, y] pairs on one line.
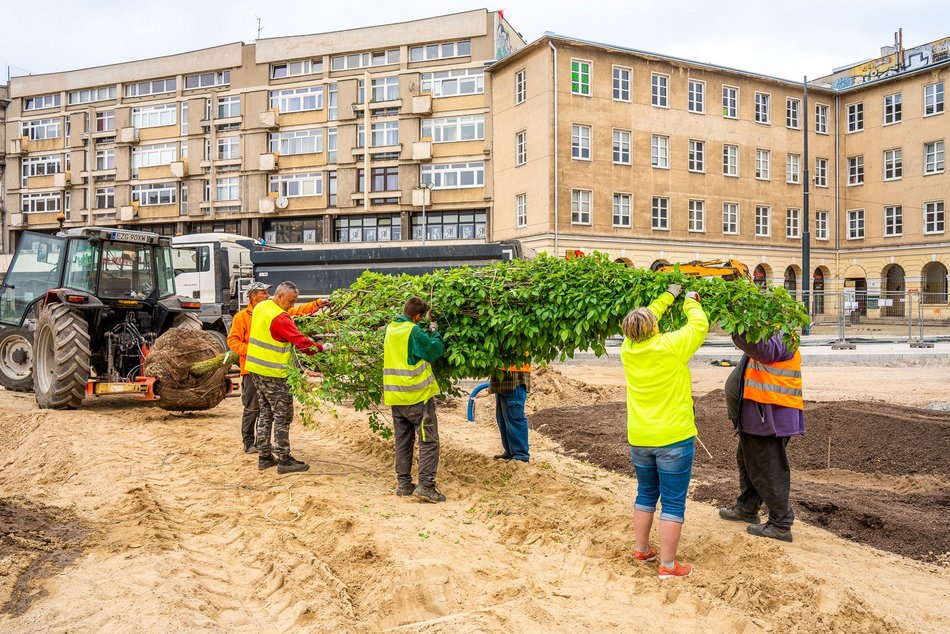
[[933, 157], [297, 142], [521, 86], [660, 151], [621, 83], [580, 77], [793, 109], [621, 152], [378, 228], [521, 148], [893, 220], [730, 102], [660, 214], [462, 48], [821, 118], [821, 225], [452, 83], [32, 166], [933, 217], [153, 87], [227, 189], [297, 185], [385, 134], [793, 223], [730, 160], [793, 169], [452, 129], [385, 89], [105, 120], [697, 216], [855, 117], [450, 226], [295, 230], [763, 102], [105, 198], [154, 194], [297, 99], [855, 170], [294, 69], [382, 179], [90, 95], [42, 102], [155, 116], [40, 129], [105, 160], [697, 96], [331, 189], [821, 172], [933, 99], [730, 218], [333, 102], [622, 210], [521, 209], [696, 161], [893, 164], [152, 156], [454, 175], [892, 109], [763, 217], [229, 107], [331, 145], [364, 60], [208, 80], [229, 148], [580, 206], [855, 224], [40, 203], [660, 90], [580, 142], [763, 159]]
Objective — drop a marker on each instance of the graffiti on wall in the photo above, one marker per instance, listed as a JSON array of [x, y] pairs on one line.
[[894, 64], [505, 42]]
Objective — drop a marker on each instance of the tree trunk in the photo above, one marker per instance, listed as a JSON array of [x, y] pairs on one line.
[[202, 368]]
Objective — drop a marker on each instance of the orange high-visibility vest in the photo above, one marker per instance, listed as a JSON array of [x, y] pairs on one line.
[[519, 368], [775, 383]]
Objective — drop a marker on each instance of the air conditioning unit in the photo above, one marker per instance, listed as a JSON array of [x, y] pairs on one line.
[[422, 104], [267, 162], [16, 220], [128, 212], [62, 179], [266, 205], [179, 169], [128, 135], [270, 118], [422, 150]]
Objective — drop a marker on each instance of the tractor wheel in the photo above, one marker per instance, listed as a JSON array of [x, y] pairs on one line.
[[60, 358], [222, 339], [188, 321], [16, 359]]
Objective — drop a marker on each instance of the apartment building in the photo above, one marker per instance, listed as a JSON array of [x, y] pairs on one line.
[[655, 159], [305, 139]]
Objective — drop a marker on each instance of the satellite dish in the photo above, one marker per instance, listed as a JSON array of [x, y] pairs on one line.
[[282, 202]]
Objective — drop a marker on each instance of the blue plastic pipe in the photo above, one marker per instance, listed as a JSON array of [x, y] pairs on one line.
[[471, 401]]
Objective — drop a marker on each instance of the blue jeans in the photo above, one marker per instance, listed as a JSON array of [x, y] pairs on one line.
[[663, 474], [512, 422]]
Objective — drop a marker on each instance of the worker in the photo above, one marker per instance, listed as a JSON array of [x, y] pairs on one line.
[[410, 388], [766, 405], [268, 352], [511, 392], [237, 341], [661, 422]]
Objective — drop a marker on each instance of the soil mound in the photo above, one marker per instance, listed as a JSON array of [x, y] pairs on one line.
[[169, 361]]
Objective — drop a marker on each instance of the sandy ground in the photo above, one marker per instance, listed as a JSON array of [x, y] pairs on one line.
[[185, 534]]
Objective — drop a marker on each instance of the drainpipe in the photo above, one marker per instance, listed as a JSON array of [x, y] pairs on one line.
[[837, 199], [556, 251]]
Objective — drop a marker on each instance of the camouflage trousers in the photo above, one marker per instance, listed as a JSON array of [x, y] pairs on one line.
[[277, 410]]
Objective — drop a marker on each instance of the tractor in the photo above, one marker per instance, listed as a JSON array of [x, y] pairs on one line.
[[79, 311]]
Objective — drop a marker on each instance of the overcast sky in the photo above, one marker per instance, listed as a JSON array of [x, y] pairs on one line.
[[783, 38]]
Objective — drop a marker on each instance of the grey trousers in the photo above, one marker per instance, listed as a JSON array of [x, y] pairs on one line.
[[252, 407], [409, 420]]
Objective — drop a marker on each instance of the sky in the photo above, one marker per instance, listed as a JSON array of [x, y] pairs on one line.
[[780, 38]]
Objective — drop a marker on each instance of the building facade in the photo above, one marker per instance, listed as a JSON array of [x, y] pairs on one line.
[[655, 160], [305, 139]]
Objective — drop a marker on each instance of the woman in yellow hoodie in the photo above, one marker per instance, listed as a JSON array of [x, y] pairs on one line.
[[660, 421]]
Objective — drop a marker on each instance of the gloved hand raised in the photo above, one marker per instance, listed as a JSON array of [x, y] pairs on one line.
[[433, 326], [674, 290], [692, 295]]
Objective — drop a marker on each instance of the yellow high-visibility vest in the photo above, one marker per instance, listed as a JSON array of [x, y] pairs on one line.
[[404, 384], [265, 355], [777, 383]]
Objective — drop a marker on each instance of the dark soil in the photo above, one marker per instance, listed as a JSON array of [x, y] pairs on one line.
[[39, 541], [865, 438]]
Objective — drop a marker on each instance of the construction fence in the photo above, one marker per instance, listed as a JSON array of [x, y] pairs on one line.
[[859, 315]]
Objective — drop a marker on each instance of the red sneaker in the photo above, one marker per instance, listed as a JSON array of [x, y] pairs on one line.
[[678, 570], [650, 555]]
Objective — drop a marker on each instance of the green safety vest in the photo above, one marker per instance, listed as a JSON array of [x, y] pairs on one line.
[[265, 355], [404, 384]]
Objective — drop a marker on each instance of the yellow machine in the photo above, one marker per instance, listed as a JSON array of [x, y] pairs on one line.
[[728, 270]]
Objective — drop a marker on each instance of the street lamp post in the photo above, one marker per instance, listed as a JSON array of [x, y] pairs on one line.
[[426, 190]]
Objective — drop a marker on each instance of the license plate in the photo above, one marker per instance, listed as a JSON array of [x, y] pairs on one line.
[[120, 236]]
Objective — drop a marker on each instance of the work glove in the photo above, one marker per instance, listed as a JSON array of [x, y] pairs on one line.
[[327, 347], [692, 295], [674, 290], [433, 326], [325, 303]]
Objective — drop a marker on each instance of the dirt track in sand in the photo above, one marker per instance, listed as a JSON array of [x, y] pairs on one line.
[[181, 532]]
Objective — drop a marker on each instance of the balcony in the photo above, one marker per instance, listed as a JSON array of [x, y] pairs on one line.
[[16, 220], [422, 104], [395, 104], [267, 206], [422, 150], [19, 146], [379, 149], [396, 193], [126, 212], [174, 170], [267, 162], [128, 135], [270, 119]]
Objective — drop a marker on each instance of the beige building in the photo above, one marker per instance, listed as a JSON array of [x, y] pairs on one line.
[[659, 159], [305, 139]]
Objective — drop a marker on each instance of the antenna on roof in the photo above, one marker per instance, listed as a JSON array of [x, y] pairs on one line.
[[259, 27]]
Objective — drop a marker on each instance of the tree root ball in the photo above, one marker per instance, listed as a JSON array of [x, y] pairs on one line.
[[169, 361]]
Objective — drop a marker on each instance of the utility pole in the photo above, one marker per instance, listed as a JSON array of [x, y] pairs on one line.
[[806, 234], [259, 28]]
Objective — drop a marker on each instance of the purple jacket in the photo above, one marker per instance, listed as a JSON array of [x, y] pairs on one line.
[[765, 419]]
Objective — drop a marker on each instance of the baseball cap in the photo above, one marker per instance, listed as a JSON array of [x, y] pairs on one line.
[[256, 286]]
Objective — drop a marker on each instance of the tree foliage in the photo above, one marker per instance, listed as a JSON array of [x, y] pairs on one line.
[[502, 314]]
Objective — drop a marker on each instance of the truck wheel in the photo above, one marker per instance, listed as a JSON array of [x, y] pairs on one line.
[[189, 321], [60, 358], [16, 359], [222, 339]]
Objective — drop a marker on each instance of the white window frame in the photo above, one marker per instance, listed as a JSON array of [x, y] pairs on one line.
[[227, 189], [441, 175], [51, 202], [42, 102], [763, 108], [856, 226], [696, 215], [467, 81], [660, 90], [151, 87], [730, 218], [521, 148], [696, 156], [295, 142], [622, 81], [893, 221], [730, 103], [589, 74], [440, 50], [155, 194], [41, 129], [91, 95], [935, 159], [521, 210], [108, 119], [855, 117], [211, 79], [660, 151], [855, 170], [229, 148], [821, 118], [821, 225], [793, 169], [582, 206], [104, 198], [105, 159], [307, 99], [821, 172], [384, 134], [622, 210], [153, 155], [33, 166], [228, 107], [297, 185], [660, 213], [730, 160], [155, 116], [696, 96], [793, 113], [935, 217], [793, 223], [353, 61], [385, 88], [622, 146], [933, 99], [581, 142], [521, 86], [458, 129], [893, 108], [763, 168], [893, 164], [763, 221], [296, 68]]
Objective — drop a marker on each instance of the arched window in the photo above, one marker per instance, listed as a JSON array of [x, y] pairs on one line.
[[760, 276], [818, 295], [791, 282], [934, 289], [894, 290]]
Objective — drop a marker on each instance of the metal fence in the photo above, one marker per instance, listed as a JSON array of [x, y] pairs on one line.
[[858, 315]]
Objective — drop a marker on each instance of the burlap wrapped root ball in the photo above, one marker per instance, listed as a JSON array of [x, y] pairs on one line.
[[170, 361]]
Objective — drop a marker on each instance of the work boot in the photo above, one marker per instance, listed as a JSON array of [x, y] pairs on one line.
[[772, 531], [503, 456], [405, 489], [265, 462], [733, 514], [291, 465], [250, 449], [429, 493]]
